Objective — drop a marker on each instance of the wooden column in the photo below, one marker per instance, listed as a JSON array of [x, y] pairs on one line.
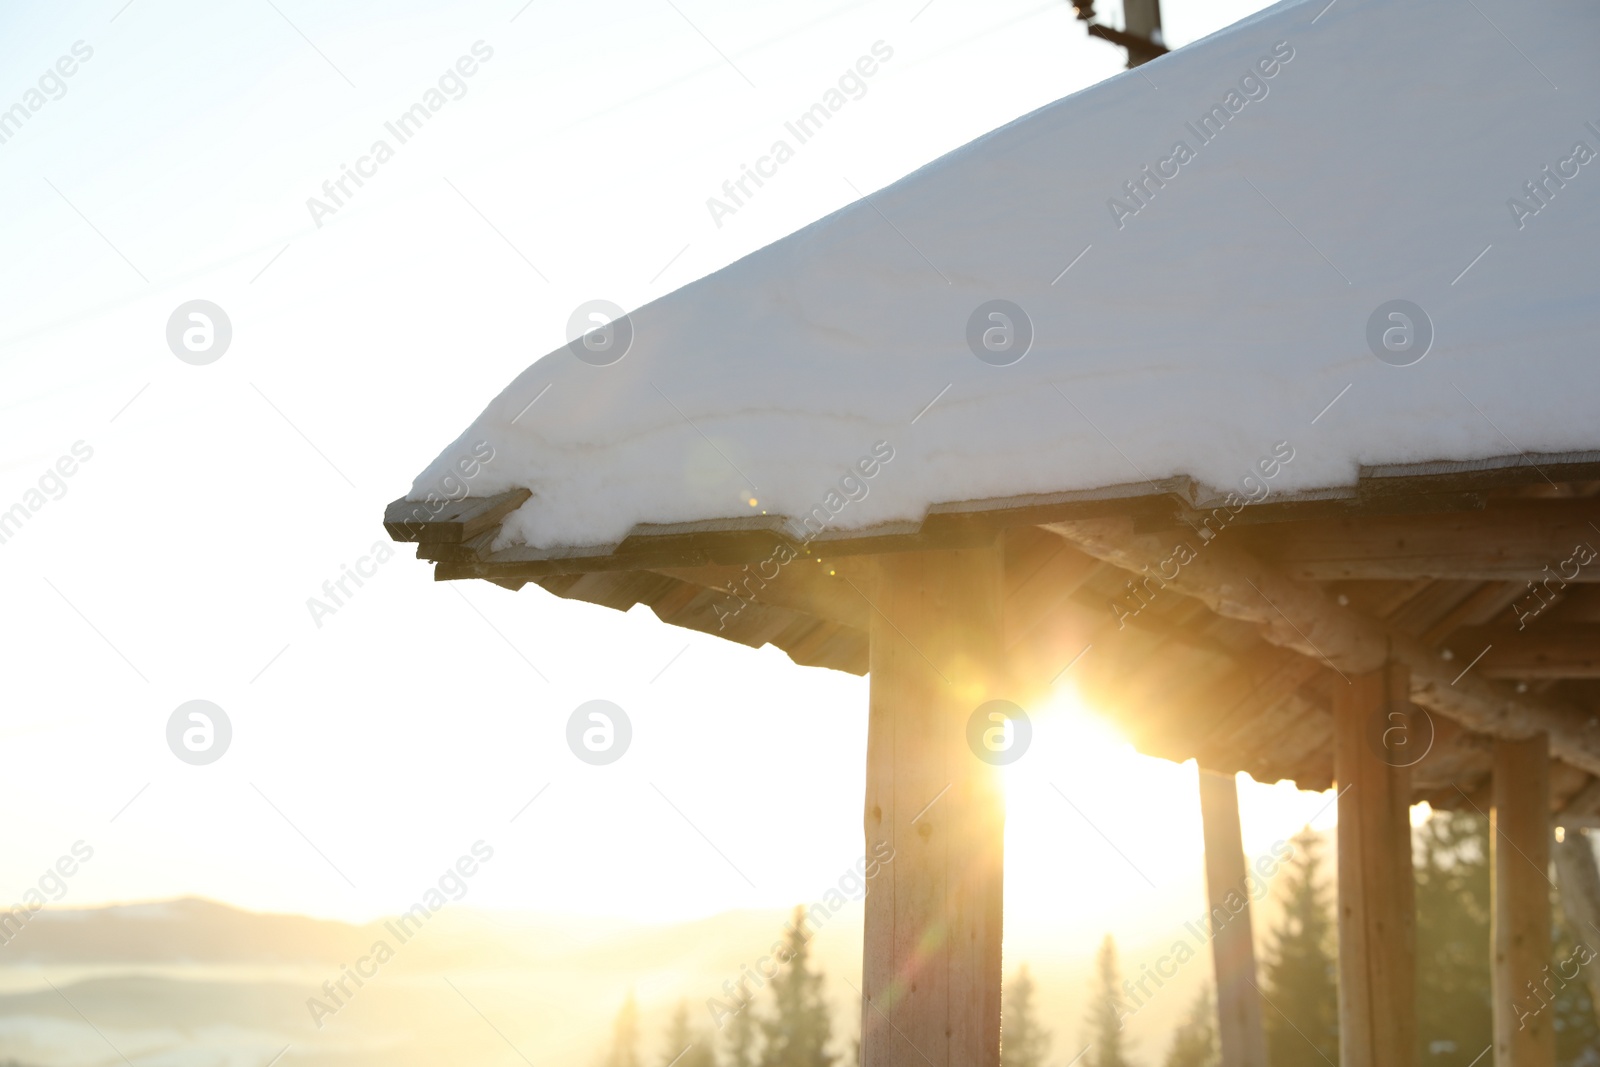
[[1233, 955], [1524, 1034], [931, 966], [1377, 890]]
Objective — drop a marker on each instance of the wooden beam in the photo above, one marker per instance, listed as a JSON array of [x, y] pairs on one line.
[[437, 519], [1523, 541], [1436, 600], [1243, 1041], [1382, 600], [1234, 584], [1578, 885], [1542, 649], [1377, 893], [1386, 490], [1524, 1026], [931, 966], [1580, 603], [1300, 616], [1490, 599]]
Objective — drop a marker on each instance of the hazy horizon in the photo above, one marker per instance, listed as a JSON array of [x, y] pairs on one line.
[[582, 970]]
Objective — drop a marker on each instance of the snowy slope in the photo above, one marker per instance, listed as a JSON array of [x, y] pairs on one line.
[[1358, 153]]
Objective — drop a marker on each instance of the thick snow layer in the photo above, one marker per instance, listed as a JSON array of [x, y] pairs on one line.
[[1369, 151]]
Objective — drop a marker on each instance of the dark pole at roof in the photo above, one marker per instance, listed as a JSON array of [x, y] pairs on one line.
[[1141, 32]]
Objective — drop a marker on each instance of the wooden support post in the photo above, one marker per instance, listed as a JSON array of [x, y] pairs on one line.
[[1524, 1034], [1228, 882], [931, 965], [1377, 889]]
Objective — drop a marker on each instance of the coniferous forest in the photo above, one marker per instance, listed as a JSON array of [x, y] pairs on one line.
[[789, 1024]]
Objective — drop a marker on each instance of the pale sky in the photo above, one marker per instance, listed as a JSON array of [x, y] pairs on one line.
[[368, 753]]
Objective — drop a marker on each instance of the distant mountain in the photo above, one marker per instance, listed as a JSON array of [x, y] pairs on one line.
[[179, 931], [195, 983]]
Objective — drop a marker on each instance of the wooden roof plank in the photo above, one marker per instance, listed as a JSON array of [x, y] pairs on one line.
[[1300, 616], [1441, 488], [1524, 540], [451, 521], [1550, 649]]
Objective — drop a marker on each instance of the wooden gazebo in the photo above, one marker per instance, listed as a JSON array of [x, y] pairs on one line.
[[1389, 596]]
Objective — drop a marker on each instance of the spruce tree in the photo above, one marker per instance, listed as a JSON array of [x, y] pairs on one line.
[[1107, 1046], [798, 1032], [1195, 1042], [741, 1038], [1300, 981], [1454, 978], [1023, 1043], [686, 1046], [1454, 1011], [1577, 1031], [625, 1036]]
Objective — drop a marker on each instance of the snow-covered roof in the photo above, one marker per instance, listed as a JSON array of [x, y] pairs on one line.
[[1355, 233]]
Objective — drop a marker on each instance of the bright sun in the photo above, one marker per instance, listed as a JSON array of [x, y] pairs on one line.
[[1099, 836]]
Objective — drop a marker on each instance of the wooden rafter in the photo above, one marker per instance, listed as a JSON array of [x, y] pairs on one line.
[[1538, 650], [1300, 616]]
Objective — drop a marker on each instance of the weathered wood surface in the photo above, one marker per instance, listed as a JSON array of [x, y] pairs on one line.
[[1233, 958], [1377, 892], [449, 521], [1523, 541], [1541, 649], [1524, 1027], [1300, 616], [931, 967]]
